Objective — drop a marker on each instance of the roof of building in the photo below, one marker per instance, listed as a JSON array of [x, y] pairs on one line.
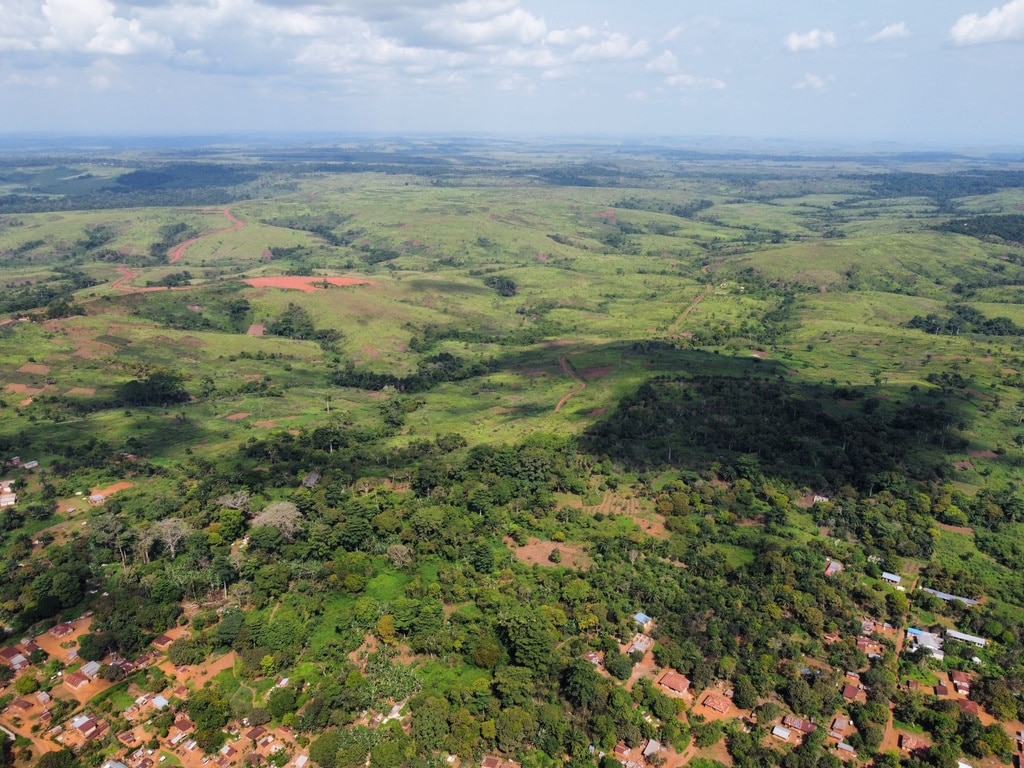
[[675, 682], [641, 618], [893, 578], [61, 630], [652, 747], [911, 743], [850, 691], [946, 596], [799, 724], [717, 702], [781, 732], [90, 669], [75, 680], [963, 637]]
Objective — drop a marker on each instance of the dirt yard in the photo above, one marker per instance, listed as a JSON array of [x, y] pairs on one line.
[[36, 368], [110, 490], [299, 283], [256, 330], [237, 416], [536, 552]]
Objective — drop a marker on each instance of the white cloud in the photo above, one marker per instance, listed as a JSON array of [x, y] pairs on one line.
[[613, 46], [515, 26], [91, 26], [692, 82], [811, 82], [896, 31], [570, 36], [814, 40], [665, 62], [998, 25]]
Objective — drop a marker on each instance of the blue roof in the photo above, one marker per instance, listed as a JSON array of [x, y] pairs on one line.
[[641, 618]]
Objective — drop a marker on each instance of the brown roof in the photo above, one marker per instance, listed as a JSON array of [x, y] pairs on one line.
[[968, 707], [850, 691], [21, 704], [717, 702], [62, 630], [941, 690], [75, 680], [959, 677], [675, 682], [9, 652], [799, 724], [256, 732], [183, 724], [911, 743], [162, 641]]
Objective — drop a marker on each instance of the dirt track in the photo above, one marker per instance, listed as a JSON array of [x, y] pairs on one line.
[[179, 250], [563, 361]]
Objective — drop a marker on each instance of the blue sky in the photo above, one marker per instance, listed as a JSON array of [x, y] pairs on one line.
[[918, 72]]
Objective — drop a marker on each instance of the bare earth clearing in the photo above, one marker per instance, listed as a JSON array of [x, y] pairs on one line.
[[306, 284], [537, 552]]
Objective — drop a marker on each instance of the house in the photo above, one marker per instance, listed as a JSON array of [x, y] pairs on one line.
[[968, 707], [850, 692], [620, 750], [91, 669], [228, 751], [980, 642], [75, 680], [919, 638], [844, 747], [183, 724], [8, 499], [300, 761], [14, 658], [594, 657], [941, 690], [256, 733], [21, 705], [640, 643], [113, 764], [161, 702], [841, 723], [653, 747], [780, 732], [30, 465], [96, 499], [947, 597], [162, 642], [61, 630], [86, 725], [872, 648], [643, 621], [43, 697], [674, 682], [961, 682], [910, 743], [799, 724], [833, 567], [717, 702], [891, 578]]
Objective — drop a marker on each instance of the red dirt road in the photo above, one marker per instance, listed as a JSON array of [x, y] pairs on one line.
[[563, 361], [179, 250]]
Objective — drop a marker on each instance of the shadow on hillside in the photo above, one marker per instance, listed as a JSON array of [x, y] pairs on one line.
[[756, 416]]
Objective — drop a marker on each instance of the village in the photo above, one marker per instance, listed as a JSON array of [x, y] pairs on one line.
[[141, 728]]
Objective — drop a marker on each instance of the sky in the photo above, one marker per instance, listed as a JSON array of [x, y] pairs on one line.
[[919, 73]]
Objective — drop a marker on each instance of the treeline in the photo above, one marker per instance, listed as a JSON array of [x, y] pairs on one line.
[[1009, 227], [430, 372], [56, 290], [964, 318], [322, 226], [681, 210]]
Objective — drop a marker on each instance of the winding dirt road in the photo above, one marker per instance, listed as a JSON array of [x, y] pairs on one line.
[[179, 250], [563, 361], [175, 255]]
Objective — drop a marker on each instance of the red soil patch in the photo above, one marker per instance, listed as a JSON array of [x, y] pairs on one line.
[[759, 353], [540, 256], [26, 402], [963, 529], [22, 389], [536, 552], [597, 373], [299, 283], [984, 455], [236, 416], [608, 216], [36, 368], [87, 391], [597, 413], [265, 424], [110, 490], [962, 465], [564, 364], [255, 330]]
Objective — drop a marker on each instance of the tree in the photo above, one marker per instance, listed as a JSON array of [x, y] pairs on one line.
[[281, 702], [171, 532], [281, 515], [26, 684]]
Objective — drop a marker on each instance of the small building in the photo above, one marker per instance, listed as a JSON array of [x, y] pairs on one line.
[[674, 682], [717, 702], [844, 747], [75, 680], [931, 642], [8, 499], [910, 743], [980, 642], [162, 642], [968, 707], [161, 702], [891, 578], [799, 724], [833, 567], [840, 723], [30, 465], [22, 705], [594, 657], [184, 725], [948, 598], [90, 669], [96, 499], [643, 621], [61, 630], [640, 643], [780, 732], [941, 690], [850, 691], [14, 658], [620, 750], [256, 733], [652, 747]]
